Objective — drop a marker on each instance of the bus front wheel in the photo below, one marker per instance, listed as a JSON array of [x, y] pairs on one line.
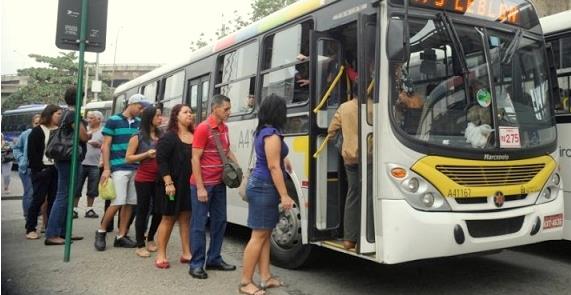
[[287, 250]]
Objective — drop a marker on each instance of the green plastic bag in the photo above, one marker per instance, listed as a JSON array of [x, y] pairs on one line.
[[107, 190]]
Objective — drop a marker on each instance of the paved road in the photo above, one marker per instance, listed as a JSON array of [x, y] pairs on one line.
[[29, 267]]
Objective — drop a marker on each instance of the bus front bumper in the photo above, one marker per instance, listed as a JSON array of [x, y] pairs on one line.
[[409, 234]]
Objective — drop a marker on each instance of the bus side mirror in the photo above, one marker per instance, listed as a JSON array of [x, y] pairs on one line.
[[396, 48]]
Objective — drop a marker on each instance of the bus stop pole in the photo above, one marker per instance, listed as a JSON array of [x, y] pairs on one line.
[[74, 156]]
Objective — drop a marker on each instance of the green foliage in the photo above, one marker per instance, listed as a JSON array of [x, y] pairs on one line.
[[47, 85], [263, 8], [260, 9]]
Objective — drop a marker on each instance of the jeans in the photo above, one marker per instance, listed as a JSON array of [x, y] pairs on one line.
[[45, 184], [56, 221], [26, 179], [216, 207]]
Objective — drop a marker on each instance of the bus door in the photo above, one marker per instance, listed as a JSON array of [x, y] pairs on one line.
[[197, 97], [326, 195], [367, 39]]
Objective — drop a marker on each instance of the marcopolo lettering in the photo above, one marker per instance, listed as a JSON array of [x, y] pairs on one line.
[[496, 157]]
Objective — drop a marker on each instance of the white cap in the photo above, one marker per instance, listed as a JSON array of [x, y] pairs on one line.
[[138, 98]]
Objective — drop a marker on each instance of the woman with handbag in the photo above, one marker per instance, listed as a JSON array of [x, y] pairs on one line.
[[142, 149], [42, 169], [266, 189], [55, 231], [174, 151]]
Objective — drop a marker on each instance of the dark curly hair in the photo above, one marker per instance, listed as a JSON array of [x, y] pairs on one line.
[[273, 112], [173, 121]]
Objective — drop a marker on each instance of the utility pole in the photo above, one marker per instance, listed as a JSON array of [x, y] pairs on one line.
[[96, 94]]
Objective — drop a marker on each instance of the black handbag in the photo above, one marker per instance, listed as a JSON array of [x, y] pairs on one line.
[[60, 143], [232, 173]]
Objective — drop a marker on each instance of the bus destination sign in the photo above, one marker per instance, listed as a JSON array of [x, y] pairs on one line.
[[506, 11]]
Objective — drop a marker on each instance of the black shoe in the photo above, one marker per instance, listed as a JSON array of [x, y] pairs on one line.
[[223, 266], [124, 242], [91, 214], [75, 215], [198, 273], [100, 241], [129, 238]]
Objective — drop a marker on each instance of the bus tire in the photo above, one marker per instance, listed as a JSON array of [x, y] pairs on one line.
[[286, 248]]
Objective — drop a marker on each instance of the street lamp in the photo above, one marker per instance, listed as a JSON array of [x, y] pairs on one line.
[[114, 60]]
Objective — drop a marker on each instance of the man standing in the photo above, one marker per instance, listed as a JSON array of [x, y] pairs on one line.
[[208, 192], [90, 166], [346, 121], [116, 134], [21, 155]]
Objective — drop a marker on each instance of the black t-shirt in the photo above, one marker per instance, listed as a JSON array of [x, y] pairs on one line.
[[67, 123]]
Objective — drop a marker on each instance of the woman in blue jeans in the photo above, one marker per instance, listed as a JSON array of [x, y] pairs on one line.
[[266, 190], [55, 232]]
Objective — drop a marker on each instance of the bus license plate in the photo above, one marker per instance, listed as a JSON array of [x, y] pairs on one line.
[[553, 221]]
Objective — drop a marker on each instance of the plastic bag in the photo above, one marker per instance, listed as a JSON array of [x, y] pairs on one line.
[[107, 190]]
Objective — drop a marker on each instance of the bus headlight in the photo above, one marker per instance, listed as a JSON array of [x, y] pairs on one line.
[[551, 189], [417, 192]]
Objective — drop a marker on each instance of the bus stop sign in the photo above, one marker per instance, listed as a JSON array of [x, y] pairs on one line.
[[69, 20]]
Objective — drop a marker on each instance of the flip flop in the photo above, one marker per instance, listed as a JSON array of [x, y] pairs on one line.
[[267, 285], [258, 291], [162, 264]]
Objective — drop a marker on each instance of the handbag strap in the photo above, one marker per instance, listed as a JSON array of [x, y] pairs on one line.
[[219, 145]]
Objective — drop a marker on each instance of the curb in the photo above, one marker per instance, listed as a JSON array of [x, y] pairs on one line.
[[9, 198]]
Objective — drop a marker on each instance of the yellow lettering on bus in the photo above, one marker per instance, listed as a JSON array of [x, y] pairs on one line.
[[458, 6]]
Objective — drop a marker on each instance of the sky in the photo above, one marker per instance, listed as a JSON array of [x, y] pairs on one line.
[[138, 31]]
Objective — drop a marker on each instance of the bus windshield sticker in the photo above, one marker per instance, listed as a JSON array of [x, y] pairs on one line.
[[509, 137], [484, 97]]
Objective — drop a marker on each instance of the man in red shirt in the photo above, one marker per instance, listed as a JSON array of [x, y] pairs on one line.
[[208, 192]]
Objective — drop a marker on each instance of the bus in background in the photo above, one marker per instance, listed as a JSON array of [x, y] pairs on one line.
[[557, 31], [18, 120], [456, 134], [105, 107]]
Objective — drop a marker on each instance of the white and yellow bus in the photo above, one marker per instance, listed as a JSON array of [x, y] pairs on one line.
[[471, 165], [557, 31]]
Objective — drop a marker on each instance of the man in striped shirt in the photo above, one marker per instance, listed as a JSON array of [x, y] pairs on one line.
[[117, 131]]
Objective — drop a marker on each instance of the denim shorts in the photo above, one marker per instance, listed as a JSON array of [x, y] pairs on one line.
[[263, 202]]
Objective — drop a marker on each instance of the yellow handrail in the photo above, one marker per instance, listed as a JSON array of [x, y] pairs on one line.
[[370, 88], [331, 87], [321, 147]]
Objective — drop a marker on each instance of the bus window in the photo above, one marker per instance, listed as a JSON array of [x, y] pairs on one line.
[[287, 47], [237, 76], [562, 58], [194, 97], [173, 90], [150, 91], [205, 89], [119, 104]]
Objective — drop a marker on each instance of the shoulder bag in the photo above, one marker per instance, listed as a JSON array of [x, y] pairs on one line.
[[60, 143], [232, 173]]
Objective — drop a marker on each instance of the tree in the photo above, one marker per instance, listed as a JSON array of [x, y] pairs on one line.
[[47, 85], [263, 8], [260, 9]]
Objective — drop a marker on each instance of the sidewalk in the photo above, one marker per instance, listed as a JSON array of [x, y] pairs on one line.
[[29, 267], [16, 191]]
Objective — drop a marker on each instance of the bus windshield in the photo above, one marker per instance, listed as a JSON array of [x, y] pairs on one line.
[[472, 87]]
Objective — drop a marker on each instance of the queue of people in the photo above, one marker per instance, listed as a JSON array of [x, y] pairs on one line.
[[164, 175]]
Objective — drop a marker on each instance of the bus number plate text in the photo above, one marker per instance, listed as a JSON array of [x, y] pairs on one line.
[[459, 193], [553, 221]]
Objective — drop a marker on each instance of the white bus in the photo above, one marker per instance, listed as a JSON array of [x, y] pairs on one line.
[[557, 30], [105, 107], [428, 187]]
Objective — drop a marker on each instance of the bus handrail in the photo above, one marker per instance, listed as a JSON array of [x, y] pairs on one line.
[[328, 92], [321, 147]]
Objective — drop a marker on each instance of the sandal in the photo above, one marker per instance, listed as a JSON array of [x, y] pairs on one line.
[[267, 284], [162, 264], [258, 291]]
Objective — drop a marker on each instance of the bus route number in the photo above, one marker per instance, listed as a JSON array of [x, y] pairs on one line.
[[459, 193]]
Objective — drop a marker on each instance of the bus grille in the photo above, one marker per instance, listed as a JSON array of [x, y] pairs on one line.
[[494, 227], [472, 176]]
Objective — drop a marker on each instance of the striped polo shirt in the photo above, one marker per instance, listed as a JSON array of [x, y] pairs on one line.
[[120, 128], [210, 163]]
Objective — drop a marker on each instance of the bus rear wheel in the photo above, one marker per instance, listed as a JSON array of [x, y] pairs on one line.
[[286, 248]]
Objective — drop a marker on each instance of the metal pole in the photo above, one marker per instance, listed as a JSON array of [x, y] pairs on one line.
[[86, 85], [96, 94], [74, 156]]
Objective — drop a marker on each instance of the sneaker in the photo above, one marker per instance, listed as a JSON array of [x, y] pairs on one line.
[[91, 214], [100, 241], [124, 242], [33, 235], [142, 252], [75, 214]]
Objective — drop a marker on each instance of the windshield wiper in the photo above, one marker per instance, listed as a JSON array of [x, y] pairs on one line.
[[456, 43], [508, 54]]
